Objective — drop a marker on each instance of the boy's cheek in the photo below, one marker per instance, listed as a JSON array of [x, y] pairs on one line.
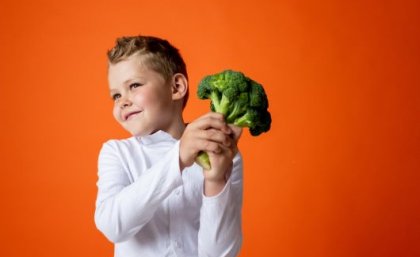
[[142, 99], [116, 114]]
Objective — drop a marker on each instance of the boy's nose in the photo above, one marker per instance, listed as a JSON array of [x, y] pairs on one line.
[[125, 103]]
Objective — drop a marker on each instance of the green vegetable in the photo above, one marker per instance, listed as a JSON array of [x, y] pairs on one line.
[[241, 100]]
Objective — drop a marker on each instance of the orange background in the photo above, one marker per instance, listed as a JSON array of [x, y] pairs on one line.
[[337, 175]]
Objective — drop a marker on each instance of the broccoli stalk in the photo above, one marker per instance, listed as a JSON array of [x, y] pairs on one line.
[[203, 160], [241, 100]]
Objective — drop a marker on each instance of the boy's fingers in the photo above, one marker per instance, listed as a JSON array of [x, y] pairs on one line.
[[211, 115], [209, 146], [210, 121], [216, 136], [226, 151], [216, 148], [236, 132]]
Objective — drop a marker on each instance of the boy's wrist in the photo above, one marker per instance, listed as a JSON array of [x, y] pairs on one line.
[[213, 187], [182, 165]]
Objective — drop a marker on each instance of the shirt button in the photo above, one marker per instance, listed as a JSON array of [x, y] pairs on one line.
[[178, 192]]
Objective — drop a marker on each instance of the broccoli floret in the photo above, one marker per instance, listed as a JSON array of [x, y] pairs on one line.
[[262, 125], [258, 98], [228, 78], [222, 89], [239, 107], [249, 119], [205, 88], [241, 100], [258, 121], [228, 97]]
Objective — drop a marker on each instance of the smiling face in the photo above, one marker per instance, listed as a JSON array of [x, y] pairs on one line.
[[143, 99]]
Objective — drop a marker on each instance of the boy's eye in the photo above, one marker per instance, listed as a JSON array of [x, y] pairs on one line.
[[134, 85], [115, 97]]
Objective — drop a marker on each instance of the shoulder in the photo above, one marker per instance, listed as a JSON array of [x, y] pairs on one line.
[[119, 153], [120, 146]]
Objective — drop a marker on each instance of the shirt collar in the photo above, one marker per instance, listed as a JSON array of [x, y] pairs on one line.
[[157, 137]]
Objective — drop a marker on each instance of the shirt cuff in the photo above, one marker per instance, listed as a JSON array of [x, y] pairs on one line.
[[221, 198]]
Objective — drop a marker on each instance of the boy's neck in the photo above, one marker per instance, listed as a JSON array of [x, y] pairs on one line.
[[177, 128]]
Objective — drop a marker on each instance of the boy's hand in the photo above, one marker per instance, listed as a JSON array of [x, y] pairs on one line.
[[209, 133], [221, 164]]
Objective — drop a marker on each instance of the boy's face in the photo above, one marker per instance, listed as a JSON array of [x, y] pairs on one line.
[[142, 98]]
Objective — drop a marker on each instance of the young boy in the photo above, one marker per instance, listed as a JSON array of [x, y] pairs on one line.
[[153, 200]]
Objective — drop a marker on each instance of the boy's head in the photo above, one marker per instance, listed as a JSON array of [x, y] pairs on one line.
[[157, 54], [148, 83]]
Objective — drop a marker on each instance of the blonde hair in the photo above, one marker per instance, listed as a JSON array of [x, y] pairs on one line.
[[159, 55]]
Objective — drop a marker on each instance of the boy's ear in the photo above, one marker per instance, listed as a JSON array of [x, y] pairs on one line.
[[179, 86]]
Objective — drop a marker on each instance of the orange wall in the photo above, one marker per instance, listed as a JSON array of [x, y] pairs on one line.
[[337, 175]]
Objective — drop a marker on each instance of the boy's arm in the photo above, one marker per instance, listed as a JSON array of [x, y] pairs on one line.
[[122, 209], [220, 231], [220, 218]]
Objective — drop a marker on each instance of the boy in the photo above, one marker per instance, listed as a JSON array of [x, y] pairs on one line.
[[153, 200]]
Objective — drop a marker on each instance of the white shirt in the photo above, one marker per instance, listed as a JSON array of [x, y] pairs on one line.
[[147, 207]]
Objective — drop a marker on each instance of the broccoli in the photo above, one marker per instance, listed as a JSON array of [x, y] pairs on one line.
[[238, 108], [241, 100]]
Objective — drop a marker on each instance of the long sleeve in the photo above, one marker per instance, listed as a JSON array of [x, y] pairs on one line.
[[123, 207], [220, 231]]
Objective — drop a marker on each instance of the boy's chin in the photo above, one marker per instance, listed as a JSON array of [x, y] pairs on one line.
[[143, 133]]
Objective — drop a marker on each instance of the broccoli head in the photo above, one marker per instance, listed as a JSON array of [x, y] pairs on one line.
[[242, 101]]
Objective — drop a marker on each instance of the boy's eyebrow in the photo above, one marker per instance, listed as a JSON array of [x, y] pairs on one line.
[[127, 81], [113, 91], [130, 80]]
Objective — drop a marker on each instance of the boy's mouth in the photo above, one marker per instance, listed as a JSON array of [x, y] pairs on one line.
[[131, 114]]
